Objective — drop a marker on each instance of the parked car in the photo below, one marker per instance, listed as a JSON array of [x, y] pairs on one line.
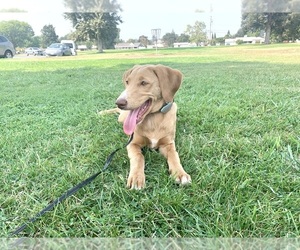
[[34, 51], [71, 45], [58, 49], [7, 49]]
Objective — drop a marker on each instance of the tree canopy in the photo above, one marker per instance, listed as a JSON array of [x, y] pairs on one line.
[[170, 38], [183, 38], [143, 40], [94, 20], [19, 33], [277, 18], [197, 32], [92, 6], [48, 35]]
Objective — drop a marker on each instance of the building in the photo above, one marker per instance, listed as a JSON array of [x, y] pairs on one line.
[[184, 45], [245, 39], [129, 46], [82, 47]]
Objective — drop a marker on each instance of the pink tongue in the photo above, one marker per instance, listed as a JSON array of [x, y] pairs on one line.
[[130, 122]]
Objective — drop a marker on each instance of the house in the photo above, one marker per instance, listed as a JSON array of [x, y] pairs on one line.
[[245, 39], [82, 47], [184, 45], [158, 44], [230, 41], [129, 46]]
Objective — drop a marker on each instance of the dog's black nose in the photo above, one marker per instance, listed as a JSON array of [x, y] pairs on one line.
[[121, 103]]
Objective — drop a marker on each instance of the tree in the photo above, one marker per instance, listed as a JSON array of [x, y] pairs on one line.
[[92, 6], [144, 40], [95, 20], [183, 38], [48, 35], [239, 33], [267, 15], [228, 35], [109, 30], [291, 29], [170, 38], [131, 40], [197, 32], [35, 42], [19, 33]]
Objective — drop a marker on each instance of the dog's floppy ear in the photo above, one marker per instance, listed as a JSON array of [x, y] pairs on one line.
[[169, 81]]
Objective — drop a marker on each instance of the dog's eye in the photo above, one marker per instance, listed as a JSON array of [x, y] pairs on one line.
[[143, 83], [126, 82]]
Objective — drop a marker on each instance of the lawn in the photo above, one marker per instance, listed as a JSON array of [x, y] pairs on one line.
[[238, 136]]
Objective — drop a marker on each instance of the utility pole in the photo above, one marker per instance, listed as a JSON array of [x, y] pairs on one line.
[[210, 24]]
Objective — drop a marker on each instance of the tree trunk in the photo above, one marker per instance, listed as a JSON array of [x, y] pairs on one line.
[[99, 44], [268, 28]]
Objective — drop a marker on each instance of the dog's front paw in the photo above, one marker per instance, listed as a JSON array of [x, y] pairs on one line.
[[182, 178], [136, 181]]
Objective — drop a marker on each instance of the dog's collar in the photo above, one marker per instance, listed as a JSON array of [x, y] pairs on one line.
[[166, 107]]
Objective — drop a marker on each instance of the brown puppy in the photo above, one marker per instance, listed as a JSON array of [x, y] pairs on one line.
[[148, 111]]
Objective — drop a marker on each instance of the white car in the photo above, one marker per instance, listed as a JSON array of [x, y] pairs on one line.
[[71, 44], [34, 51]]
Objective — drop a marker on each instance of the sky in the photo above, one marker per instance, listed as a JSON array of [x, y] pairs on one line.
[[139, 16]]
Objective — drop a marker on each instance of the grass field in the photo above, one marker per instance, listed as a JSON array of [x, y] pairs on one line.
[[238, 136]]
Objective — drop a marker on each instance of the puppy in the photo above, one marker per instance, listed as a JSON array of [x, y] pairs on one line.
[[148, 111]]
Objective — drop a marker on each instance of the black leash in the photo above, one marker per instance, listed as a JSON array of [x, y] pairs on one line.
[[69, 192]]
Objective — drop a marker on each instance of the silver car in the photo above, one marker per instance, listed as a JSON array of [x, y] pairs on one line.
[[33, 51], [7, 49], [58, 49]]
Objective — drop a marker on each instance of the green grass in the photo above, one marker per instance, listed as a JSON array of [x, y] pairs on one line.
[[238, 136]]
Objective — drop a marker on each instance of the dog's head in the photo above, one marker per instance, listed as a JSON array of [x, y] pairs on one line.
[[147, 89]]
